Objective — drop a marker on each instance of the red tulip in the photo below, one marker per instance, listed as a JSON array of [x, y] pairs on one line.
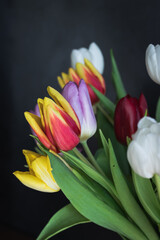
[[128, 112]]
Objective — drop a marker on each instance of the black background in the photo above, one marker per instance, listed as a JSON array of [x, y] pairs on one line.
[[36, 41]]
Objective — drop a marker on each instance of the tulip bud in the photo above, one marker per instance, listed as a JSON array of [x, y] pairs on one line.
[[93, 54], [79, 99], [153, 62], [144, 152], [39, 176], [128, 112]]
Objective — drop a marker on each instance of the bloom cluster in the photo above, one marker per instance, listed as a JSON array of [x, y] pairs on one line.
[[118, 187]]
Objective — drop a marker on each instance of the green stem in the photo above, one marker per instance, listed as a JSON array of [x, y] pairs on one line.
[[157, 182], [105, 114], [91, 157]]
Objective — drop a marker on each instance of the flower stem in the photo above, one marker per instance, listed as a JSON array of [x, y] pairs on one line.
[[157, 182], [105, 114], [91, 157]]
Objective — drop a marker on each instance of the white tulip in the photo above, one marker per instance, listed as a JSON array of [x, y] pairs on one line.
[[153, 62], [93, 54], [144, 150]]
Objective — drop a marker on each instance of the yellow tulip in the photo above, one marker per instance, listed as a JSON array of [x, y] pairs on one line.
[[39, 176]]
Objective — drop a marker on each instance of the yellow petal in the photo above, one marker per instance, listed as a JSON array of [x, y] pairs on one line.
[[30, 157], [35, 123], [61, 82], [40, 105], [94, 71], [61, 101], [32, 182], [66, 78], [42, 169]]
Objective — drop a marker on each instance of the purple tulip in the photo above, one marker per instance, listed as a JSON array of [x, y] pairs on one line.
[[79, 99]]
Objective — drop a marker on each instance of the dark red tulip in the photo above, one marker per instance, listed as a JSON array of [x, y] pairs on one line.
[[128, 112]]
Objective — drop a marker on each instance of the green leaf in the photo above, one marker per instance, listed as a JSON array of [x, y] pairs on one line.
[[65, 218], [147, 196], [108, 132], [158, 110], [108, 104], [92, 173], [103, 161], [129, 203], [117, 81], [89, 205]]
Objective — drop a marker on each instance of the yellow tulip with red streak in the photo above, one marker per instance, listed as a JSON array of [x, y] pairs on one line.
[[58, 127]]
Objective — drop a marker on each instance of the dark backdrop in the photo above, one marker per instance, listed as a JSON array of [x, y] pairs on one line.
[[36, 41]]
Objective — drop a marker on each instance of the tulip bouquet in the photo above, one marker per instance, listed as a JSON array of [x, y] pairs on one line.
[[117, 187]]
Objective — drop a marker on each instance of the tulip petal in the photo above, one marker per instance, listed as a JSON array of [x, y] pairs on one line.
[[89, 125], [142, 105], [97, 57], [152, 59], [125, 118], [74, 76], [76, 56], [30, 157], [40, 105], [48, 102], [81, 103], [61, 101], [96, 73], [42, 169], [71, 94], [36, 125], [65, 138], [32, 182]]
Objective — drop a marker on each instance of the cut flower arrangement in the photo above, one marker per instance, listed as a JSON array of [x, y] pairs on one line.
[[118, 187]]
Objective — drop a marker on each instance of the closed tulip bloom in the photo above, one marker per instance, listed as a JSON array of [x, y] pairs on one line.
[[144, 152], [128, 112], [79, 99], [153, 62], [58, 127], [93, 54], [39, 176], [89, 74]]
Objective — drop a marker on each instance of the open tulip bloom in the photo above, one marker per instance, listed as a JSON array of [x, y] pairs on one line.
[[116, 183]]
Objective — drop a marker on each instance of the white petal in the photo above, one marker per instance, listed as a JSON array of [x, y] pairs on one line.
[[97, 57], [76, 56], [153, 63], [86, 54], [139, 160], [146, 122]]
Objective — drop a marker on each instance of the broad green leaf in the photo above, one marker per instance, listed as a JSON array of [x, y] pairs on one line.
[[92, 173], [108, 132], [108, 104], [129, 203], [89, 205], [117, 81], [158, 110], [65, 218], [98, 190], [147, 196]]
